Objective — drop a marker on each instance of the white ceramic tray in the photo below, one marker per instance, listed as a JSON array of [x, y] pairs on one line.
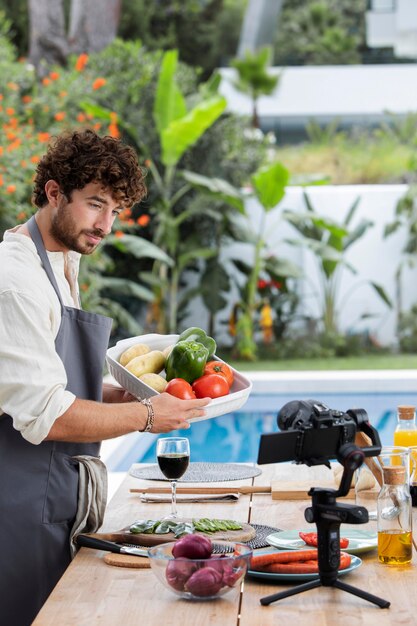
[[237, 397]]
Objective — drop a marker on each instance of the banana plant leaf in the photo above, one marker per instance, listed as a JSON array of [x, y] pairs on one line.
[[243, 267], [182, 133], [352, 211], [357, 233], [118, 312], [149, 278], [217, 187], [125, 287], [186, 258], [382, 294], [139, 248], [169, 102], [269, 183], [215, 286], [239, 229], [282, 267]]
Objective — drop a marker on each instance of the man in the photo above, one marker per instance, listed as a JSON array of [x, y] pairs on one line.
[[54, 408]]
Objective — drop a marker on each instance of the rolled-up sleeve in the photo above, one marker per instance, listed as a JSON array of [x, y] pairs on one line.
[[32, 376]]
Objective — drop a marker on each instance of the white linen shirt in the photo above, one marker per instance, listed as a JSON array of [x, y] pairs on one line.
[[32, 375]]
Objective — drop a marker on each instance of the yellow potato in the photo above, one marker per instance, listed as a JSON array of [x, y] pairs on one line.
[[167, 350], [150, 363], [155, 381], [137, 350]]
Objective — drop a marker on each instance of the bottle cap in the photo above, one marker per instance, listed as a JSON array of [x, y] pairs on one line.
[[394, 475], [406, 411]]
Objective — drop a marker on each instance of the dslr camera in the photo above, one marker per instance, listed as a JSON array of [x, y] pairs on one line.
[[315, 434]]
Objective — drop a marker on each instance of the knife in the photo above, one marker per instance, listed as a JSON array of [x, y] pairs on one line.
[[244, 489], [110, 546]]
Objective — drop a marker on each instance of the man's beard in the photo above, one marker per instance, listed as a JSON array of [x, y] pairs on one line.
[[64, 230]]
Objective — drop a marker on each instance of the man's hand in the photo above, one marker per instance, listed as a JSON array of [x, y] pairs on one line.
[[114, 394], [171, 413]]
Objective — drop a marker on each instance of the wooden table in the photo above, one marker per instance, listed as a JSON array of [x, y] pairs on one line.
[[93, 593]]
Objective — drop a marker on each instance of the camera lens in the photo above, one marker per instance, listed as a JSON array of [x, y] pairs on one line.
[[293, 414]]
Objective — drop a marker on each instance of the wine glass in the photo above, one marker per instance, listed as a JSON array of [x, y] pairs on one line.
[[173, 455]]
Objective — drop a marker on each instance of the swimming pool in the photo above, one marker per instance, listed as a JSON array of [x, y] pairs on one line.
[[235, 437]]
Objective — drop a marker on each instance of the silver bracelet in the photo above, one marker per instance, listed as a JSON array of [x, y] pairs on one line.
[[151, 415]]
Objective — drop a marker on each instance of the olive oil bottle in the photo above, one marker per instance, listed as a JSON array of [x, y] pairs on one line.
[[394, 517]]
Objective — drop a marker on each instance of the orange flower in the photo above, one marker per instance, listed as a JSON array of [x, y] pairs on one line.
[[81, 117], [1, 181], [54, 75], [13, 86], [148, 163], [46, 81], [43, 137], [11, 136], [113, 117], [1, 150], [119, 234], [26, 99], [130, 222], [1, 96], [81, 62], [10, 188], [84, 287], [114, 131], [23, 163], [63, 94], [13, 122], [10, 111], [97, 126], [126, 213], [15, 144], [59, 116], [143, 220], [21, 215], [99, 82], [35, 158]]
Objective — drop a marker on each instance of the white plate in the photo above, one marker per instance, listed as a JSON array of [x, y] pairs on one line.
[[359, 540], [237, 397], [288, 578]]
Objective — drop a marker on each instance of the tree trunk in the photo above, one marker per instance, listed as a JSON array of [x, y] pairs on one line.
[[48, 44], [93, 24]]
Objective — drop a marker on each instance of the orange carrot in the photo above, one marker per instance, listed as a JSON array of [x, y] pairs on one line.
[[291, 568], [294, 562], [282, 557]]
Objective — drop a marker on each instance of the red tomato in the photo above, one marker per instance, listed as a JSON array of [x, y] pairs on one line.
[[210, 386], [218, 367], [181, 389]]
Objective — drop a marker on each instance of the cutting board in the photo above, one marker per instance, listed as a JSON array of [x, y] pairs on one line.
[[298, 490], [246, 533]]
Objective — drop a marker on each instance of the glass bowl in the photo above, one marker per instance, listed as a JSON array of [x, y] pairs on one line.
[[201, 579]]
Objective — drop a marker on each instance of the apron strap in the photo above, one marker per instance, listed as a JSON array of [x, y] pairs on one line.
[[40, 247]]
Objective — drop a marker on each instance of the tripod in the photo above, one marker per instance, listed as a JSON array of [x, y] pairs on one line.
[[328, 515]]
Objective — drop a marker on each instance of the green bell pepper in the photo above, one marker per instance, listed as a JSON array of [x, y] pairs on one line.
[[186, 360], [197, 334]]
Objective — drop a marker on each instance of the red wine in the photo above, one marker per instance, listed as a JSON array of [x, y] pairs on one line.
[[413, 493], [173, 465]]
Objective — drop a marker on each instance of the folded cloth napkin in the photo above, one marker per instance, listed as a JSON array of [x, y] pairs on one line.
[[92, 497], [190, 497]]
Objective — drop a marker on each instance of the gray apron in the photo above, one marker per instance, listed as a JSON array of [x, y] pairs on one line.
[[39, 483]]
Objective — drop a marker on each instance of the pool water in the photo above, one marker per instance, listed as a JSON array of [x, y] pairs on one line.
[[235, 437]]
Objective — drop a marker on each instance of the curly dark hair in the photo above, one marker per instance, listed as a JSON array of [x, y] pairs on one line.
[[76, 158]]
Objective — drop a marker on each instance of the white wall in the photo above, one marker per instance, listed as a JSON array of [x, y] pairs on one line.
[[374, 257]]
